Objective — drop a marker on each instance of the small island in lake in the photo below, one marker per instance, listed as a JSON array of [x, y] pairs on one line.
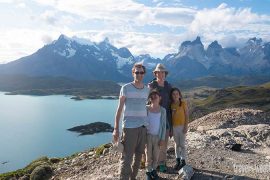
[[92, 128]]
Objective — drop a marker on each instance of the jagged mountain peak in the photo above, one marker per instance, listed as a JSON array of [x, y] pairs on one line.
[[105, 41], [63, 37], [254, 41], [192, 50], [105, 44], [215, 45], [148, 61], [185, 44], [124, 52], [197, 41], [213, 49]]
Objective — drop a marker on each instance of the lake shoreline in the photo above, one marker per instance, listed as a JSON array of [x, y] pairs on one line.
[[74, 97]]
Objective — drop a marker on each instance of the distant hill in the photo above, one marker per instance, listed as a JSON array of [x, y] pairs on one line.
[[22, 84], [256, 97], [221, 81]]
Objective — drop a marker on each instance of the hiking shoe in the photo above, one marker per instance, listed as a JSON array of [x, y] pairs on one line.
[[162, 168], [177, 165], [149, 176], [155, 175], [182, 164]]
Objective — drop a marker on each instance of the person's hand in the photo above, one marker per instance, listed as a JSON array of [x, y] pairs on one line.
[[161, 143], [115, 135]]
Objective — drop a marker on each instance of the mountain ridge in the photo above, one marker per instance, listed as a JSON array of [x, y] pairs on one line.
[[82, 59]]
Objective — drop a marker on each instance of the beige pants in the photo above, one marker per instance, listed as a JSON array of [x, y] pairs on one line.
[[152, 152], [134, 140], [179, 139], [163, 150]]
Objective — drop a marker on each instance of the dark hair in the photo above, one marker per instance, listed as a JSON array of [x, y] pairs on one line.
[[152, 92], [138, 65], [180, 94]]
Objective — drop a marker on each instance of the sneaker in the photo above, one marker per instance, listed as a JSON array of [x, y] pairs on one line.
[[162, 168], [182, 164], [177, 165], [155, 175], [149, 176]]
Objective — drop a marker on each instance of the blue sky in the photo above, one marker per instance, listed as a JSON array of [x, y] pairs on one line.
[[156, 27]]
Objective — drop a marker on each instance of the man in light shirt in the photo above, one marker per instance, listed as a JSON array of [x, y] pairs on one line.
[[132, 101]]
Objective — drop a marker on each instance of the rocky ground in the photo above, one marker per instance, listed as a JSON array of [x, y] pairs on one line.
[[209, 140]]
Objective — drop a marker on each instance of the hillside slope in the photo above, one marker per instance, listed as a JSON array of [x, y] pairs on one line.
[[257, 97]]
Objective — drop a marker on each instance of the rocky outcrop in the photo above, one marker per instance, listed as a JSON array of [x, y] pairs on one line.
[[230, 118], [92, 128], [41, 173], [237, 125]]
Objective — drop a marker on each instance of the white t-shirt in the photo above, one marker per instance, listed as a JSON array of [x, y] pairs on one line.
[[135, 113], [154, 123]]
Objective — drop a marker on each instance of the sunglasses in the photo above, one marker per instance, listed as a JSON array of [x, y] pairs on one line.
[[139, 72]]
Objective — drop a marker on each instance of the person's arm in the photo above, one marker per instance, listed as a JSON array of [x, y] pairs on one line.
[[169, 86], [163, 126], [186, 119], [117, 118]]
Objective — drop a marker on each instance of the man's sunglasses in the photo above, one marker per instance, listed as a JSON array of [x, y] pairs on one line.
[[139, 72]]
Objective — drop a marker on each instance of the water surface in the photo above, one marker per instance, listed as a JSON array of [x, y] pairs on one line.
[[35, 126]]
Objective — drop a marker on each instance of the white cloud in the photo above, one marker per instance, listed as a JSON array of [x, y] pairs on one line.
[[124, 11], [21, 5], [50, 17], [232, 41], [46, 39], [6, 1], [16, 43], [223, 21], [157, 45]]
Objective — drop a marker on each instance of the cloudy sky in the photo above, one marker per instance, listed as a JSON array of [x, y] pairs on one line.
[[156, 27]]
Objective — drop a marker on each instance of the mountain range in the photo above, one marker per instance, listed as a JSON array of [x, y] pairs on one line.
[[80, 59]]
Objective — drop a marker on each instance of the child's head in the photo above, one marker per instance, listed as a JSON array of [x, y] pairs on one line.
[[176, 95], [154, 97]]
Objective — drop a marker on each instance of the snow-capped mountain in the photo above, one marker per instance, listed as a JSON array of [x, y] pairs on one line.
[[77, 59], [82, 59], [148, 61], [192, 60]]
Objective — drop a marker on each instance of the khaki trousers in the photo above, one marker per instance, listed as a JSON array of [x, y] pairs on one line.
[[134, 140], [163, 150], [152, 152]]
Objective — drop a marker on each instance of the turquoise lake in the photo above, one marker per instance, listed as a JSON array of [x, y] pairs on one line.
[[35, 126]]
